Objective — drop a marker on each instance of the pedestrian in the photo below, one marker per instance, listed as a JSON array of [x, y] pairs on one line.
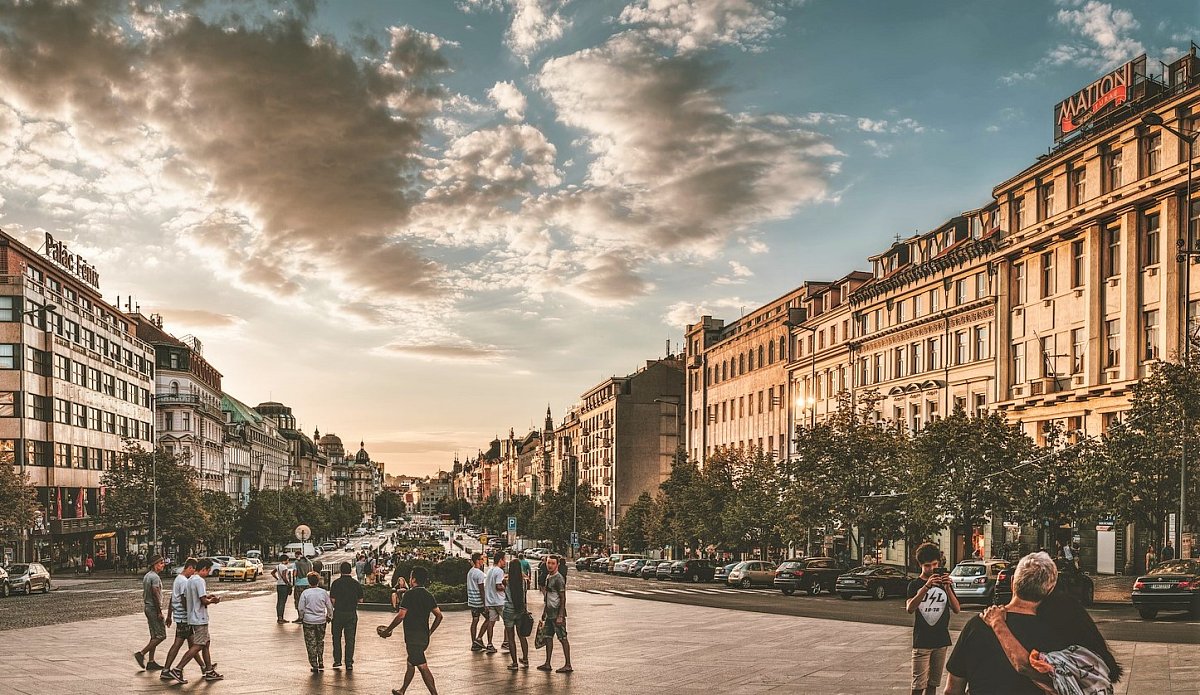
[[346, 593], [316, 611], [198, 600], [178, 614], [493, 598], [554, 615], [152, 602], [88, 565], [360, 568], [370, 569], [1167, 553], [514, 613], [475, 581], [282, 572], [399, 586], [931, 598], [414, 612], [301, 568], [1151, 558]]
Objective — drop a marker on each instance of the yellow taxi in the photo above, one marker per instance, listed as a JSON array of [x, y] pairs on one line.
[[242, 570]]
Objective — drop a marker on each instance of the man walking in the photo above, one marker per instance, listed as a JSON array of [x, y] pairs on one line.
[[316, 610], [152, 600], [931, 597], [178, 614], [198, 600], [475, 581], [282, 573], [346, 594], [555, 615], [300, 570], [493, 598], [414, 612]]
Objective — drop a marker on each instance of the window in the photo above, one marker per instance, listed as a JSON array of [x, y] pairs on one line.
[[1112, 335], [110, 460], [1046, 343], [94, 419], [934, 306], [37, 453], [79, 457], [95, 460], [983, 344], [1078, 350], [1019, 212], [1114, 169], [1152, 147], [10, 308], [1194, 226], [1112, 238], [1019, 282], [961, 355], [8, 404], [39, 407], [877, 369], [79, 414], [1150, 239], [915, 358], [1018, 363], [10, 357], [901, 362], [109, 384], [933, 354], [960, 291], [62, 411], [1150, 337], [93, 379], [1047, 274], [62, 455], [1077, 264], [110, 423], [78, 374], [1078, 176], [981, 285], [1046, 199]]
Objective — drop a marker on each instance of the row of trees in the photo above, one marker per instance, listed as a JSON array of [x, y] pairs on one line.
[[856, 471], [550, 518]]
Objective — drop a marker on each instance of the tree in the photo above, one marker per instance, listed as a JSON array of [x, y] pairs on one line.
[[222, 526], [456, 507], [558, 510], [389, 504], [753, 515], [264, 522], [634, 530], [142, 476], [1064, 483], [681, 520], [18, 501]]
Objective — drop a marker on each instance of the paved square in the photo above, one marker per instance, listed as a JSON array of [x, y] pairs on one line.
[[621, 646]]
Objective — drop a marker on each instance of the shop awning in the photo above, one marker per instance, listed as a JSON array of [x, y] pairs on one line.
[[106, 534]]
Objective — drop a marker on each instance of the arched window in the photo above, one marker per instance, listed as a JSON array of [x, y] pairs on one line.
[[750, 359], [770, 353], [174, 388], [782, 349], [741, 364]]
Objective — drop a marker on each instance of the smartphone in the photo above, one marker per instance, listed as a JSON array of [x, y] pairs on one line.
[[941, 570]]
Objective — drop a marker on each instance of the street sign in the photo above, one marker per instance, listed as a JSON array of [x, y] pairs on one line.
[[512, 523], [303, 533], [575, 539]]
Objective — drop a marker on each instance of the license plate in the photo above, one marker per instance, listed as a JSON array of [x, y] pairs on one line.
[[1161, 586]]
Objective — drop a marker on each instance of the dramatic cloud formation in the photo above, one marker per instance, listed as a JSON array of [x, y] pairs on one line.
[[689, 25], [1100, 38], [535, 23]]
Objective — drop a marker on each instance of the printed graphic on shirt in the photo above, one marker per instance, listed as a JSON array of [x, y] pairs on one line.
[[934, 606]]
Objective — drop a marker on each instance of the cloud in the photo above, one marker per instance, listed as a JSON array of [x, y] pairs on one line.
[[609, 279], [508, 99], [738, 275], [442, 352], [1099, 38], [681, 314], [535, 23], [903, 125], [201, 318], [690, 25]]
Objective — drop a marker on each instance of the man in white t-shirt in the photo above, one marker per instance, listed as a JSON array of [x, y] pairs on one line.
[[475, 581], [178, 614], [198, 599], [282, 573], [493, 598]]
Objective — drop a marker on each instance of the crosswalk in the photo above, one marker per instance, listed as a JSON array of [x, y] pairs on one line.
[[694, 591]]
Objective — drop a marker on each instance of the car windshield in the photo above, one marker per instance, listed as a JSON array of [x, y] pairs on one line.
[[1176, 567], [18, 569], [238, 563], [969, 571], [791, 565], [864, 570]]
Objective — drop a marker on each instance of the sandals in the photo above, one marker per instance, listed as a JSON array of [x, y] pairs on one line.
[[545, 667], [565, 669]]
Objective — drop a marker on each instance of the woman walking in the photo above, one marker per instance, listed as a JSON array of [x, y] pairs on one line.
[[514, 613], [316, 610]]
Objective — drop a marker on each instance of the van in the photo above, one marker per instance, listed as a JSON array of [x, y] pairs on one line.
[[309, 550]]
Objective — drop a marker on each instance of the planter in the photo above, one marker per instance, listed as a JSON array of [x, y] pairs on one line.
[[387, 607]]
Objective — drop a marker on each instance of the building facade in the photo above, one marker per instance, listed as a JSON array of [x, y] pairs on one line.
[[308, 467], [256, 454]]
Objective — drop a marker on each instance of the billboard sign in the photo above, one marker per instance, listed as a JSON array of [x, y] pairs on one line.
[[1099, 97]]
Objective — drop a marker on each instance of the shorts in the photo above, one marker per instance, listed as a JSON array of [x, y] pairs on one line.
[[199, 635], [183, 631], [416, 653], [551, 629], [476, 611], [510, 617], [158, 629], [492, 613], [927, 667]]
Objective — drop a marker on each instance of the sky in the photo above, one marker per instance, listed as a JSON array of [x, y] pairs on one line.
[[421, 222]]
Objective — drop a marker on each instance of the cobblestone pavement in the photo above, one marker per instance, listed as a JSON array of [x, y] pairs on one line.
[[621, 645]]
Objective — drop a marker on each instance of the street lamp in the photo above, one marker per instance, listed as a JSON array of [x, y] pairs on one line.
[[1186, 249]]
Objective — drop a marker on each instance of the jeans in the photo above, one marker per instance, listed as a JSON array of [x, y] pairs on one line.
[[282, 592], [344, 625]]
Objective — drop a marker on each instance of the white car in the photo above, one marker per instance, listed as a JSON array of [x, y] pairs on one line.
[[327, 546], [365, 545]]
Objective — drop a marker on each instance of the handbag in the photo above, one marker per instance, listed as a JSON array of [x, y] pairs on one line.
[[539, 640], [525, 624]]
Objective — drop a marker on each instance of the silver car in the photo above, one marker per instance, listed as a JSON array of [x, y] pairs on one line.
[[975, 580]]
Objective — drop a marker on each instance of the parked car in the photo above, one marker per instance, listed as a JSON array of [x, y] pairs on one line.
[[663, 571], [622, 567], [328, 546], [809, 574], [600, 564], [752, 573], [239, 570], [975, 580], [877, 581], [27, 578], [1071, 582], [633, 567], [222, 559], [5, 589], [650, 569], [1173, 585], [692, 571], [583, 563], [258, 564], [722, 572], [618, 557]]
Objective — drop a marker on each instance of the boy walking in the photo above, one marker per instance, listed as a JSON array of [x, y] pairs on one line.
[[198, 600], [178, 614], [475, 581], [316, 610], [415, 608], [931, 597], [152, 600], [493, 598], [346, 593], [555, 615]]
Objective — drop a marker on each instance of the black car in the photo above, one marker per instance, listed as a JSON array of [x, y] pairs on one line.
[[877, 581], [722, 572], [692, 571], [650, 569], [809, 574], [1173, 585], [1071, 582], [584, 563]]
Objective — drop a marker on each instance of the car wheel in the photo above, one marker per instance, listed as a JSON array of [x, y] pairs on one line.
[[1148, 613], [746, 584], [5, 590], [879, 593], [845, 597], [788, 592], [46, 587], [815, 589]]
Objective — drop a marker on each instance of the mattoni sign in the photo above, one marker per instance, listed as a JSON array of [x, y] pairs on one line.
[[1104, 94], [60, 254]]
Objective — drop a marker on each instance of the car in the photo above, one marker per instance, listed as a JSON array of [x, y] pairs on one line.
[[582, 563], [328, 546], [876, 580], [5, 590], [258, 564], [1173, 585], [811, 575], [341, 541], [722, 572], [622, 566], [239, 570], [975, 580], [633, 567], [751, 573], [223, 559], [650, 569], [692, 570], [365, 545], [663, 571], [349, 548], [601, 564], [26, 578], [537, 553], [1071, 582], [618, 557]]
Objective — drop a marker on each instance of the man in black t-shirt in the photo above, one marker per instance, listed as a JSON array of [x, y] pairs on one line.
[[346, 594], [931, 599], [415, 608], [978, 664]]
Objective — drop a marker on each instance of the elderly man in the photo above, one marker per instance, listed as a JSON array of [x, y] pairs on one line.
[[978, 664]]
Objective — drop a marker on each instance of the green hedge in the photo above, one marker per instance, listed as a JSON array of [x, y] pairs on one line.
[[448, 580], [382, 593]]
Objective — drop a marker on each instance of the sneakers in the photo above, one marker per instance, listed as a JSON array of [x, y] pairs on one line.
[[337, 664], [349, 667], [211, 676], [281, 621], [490, 649], [153, 665], [477, 645], [140, 659], [177, 676], [166, 674]]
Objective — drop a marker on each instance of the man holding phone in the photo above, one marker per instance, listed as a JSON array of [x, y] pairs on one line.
[[931, 597]]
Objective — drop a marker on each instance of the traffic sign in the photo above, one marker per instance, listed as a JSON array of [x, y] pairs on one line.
[[512, 523], [575, 539], [303, 533]]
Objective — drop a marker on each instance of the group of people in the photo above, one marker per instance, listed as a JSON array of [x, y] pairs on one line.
[[187, 607], [1039, 642]]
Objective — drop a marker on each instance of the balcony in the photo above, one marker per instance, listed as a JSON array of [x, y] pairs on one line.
[[178, 399]]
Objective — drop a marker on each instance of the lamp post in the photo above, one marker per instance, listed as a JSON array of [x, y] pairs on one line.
[[1186, 250], [22, 448]]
